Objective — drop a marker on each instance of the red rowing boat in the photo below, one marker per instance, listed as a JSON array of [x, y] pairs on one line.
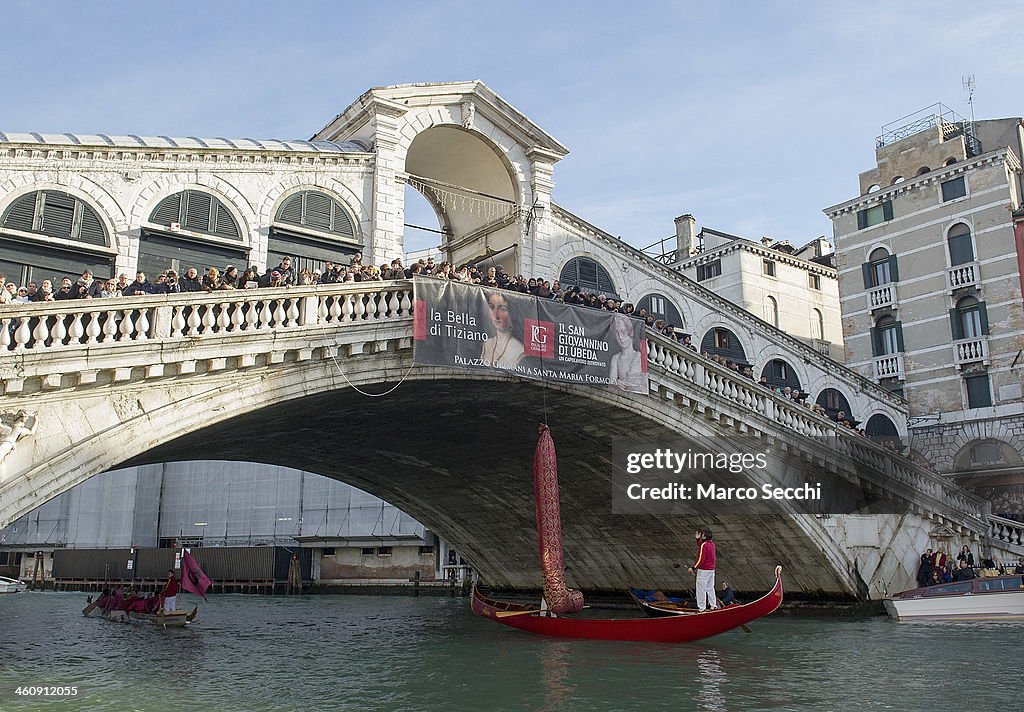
[[561, 600], [672, 629]]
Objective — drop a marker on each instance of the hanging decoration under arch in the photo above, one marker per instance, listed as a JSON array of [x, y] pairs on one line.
[[453, 198]]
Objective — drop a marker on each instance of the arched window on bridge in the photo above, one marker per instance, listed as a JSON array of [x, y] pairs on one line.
[[312, 227], [662, 308], [780, 375], [588, 275], [834, 403], [191, 229], [80, 238], [724, 343], [880, 426]]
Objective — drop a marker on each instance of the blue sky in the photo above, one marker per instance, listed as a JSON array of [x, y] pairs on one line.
[[752, 116]]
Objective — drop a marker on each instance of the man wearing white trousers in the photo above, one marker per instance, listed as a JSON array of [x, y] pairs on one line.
[[705, 570]]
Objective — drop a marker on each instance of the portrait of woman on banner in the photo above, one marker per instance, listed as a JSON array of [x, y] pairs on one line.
[[505, 349], [625, 371]]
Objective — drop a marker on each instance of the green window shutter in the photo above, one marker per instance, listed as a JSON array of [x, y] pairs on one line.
[[983, 315], [291, 211], [894, 270], [197, 211], [168, 211], [92, 228], [955, 326], [342, 222], [865, 270], [20, 215], [876, 341], [899, 337], [862, 219], [58, 215], [887, 210], [224, 224], [318, 211]]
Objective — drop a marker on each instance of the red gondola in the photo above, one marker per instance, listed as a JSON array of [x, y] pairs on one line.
[[671, 629]]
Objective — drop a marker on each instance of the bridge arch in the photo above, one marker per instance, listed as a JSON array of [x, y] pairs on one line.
[[589, 274], [834, 402], [781, 374], [721, 341], [663, 307], [474, 488], [474, 181]]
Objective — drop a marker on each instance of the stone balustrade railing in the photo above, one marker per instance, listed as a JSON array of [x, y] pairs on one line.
[[971, 350], [1006, 530], [882, 296], [846, 444], [962, 276], [890, 366], [89, 322]]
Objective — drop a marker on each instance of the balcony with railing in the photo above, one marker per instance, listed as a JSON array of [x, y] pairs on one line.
[[965, 275], [889, 366], [882, 296], [970, 351]]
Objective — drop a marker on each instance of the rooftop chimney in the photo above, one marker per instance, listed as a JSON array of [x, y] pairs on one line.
[[686, 236]]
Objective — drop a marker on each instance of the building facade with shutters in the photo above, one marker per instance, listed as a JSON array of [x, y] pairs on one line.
[[117, 204], [931, 266], [793, 289]]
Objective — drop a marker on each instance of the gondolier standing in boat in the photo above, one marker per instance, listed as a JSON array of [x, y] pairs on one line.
[[170, 592], [705, 570]]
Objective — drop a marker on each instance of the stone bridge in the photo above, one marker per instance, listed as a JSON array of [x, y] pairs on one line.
[[321, 378]]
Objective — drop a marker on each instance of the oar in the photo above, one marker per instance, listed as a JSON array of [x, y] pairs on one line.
[[88, 609], [508, 614]]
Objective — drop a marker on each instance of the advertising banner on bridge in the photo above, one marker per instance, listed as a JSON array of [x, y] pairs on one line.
[[468, 326]]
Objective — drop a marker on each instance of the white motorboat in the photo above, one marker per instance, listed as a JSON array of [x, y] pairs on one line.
[[993, 598], [9, 585]]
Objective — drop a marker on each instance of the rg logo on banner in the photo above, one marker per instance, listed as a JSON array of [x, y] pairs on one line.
[[540, 338]]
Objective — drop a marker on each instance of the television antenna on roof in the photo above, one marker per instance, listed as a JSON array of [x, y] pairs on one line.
[[969, 87]]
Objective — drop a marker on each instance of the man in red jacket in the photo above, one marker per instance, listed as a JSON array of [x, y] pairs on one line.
[[705, 570], [170, 592]]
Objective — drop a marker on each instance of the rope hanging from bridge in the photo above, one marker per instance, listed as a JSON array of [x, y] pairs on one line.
[[356, 388]]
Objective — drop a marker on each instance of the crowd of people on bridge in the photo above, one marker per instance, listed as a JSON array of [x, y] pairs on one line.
[[936, 566], [285, 274]]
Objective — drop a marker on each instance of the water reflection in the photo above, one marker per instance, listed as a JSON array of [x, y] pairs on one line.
[[555, 670], [711, 679]]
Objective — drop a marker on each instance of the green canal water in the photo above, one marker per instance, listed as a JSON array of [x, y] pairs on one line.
[[403, 653]]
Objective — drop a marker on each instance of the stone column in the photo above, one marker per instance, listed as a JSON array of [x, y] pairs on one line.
[[386, 240], [535, 255]]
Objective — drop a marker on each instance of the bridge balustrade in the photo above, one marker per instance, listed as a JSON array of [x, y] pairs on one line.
[[88, 322], [847, 444]]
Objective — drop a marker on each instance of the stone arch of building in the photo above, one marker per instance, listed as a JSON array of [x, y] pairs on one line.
[[292, 184], [505, 149], [236, 203], [107, 209], [472, 176], [992, 433]]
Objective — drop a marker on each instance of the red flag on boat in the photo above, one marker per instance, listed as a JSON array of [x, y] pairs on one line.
[[193, 579]]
